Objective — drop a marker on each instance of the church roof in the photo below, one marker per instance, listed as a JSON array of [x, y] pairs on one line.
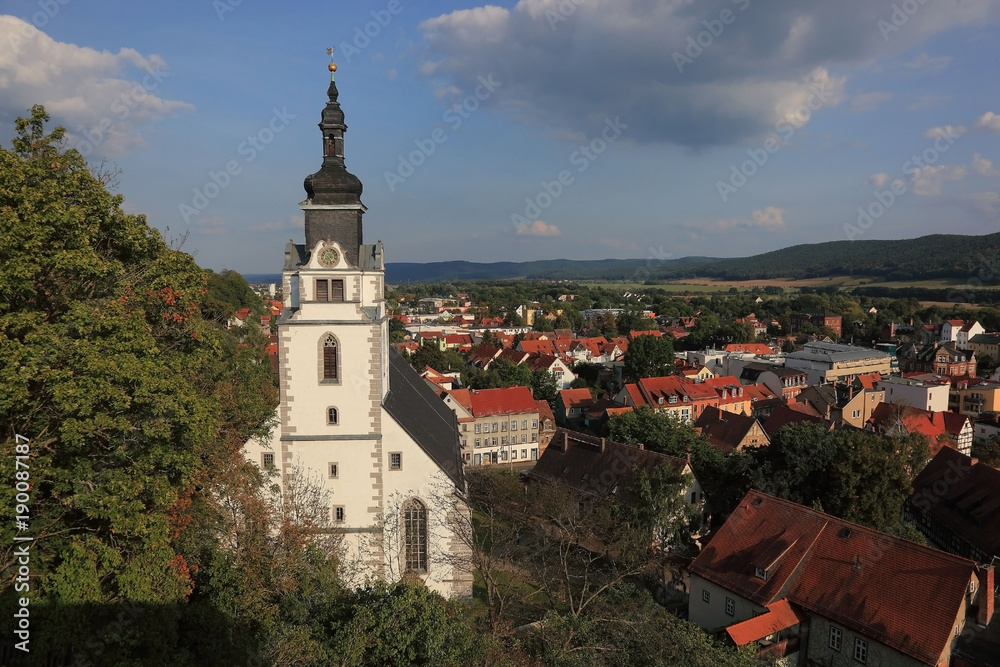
[[424, 417]]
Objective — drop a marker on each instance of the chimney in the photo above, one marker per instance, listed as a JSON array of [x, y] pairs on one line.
[[986, 599], [641, 446], [603, 445], [565, 442]]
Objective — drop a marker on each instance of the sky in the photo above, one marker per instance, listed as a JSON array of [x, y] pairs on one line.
[[528, 130]]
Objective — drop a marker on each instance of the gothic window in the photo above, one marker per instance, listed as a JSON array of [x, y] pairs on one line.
[[415, 535], [330, 358]]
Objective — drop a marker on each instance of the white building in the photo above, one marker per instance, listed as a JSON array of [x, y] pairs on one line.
[[355, 418], [932, 396], [960, 331]]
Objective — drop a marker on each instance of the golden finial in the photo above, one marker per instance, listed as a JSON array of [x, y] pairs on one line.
[[333, 65]]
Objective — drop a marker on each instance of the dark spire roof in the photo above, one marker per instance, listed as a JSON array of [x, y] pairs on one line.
[[333, 184]]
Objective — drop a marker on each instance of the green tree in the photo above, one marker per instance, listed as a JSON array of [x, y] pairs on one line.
[[136, 405], [397, 330], [649, 356], [544, 386]]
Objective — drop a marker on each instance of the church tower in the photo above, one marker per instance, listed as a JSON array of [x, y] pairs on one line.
[[355, 418]]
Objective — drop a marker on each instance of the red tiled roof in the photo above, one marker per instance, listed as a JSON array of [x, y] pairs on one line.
[[941, 428], [635, 395], [576, 398], [463, 397], [458, 339], [545, 411], [868, 380], [513, 356], [512, 400], [540, 362], [752, 348], [483, 354], [868, 581], [652, 332], [780, 616]]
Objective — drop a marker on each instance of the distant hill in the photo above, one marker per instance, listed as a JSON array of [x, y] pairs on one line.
[[925, 258], [549, 269]]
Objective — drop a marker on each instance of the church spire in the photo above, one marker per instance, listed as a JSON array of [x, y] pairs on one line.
[[333, 187]]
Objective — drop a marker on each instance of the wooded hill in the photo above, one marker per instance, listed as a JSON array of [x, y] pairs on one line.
[[928, 257]]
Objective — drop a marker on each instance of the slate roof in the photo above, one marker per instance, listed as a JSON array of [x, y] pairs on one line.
[[835, 353], [893, 591], [424, 417], [961, 497]]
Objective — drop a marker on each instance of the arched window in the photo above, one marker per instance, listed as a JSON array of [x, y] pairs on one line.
[[332, 416], [415, 535], [330, 358]]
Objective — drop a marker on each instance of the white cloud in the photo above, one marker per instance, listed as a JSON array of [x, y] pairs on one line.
[[927, 100], [538, 228], [866, 101], [567, 65], [879, 179], [769, 218], [102, 98], [929, 180], [944, 131], [983, 167], [988, 122]]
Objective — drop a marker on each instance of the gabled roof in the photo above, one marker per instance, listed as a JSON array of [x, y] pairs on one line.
[[652, 332], [725, 430], [540, 362], [576, 398], [425, 418], [868, 380], [791, 414], [545, 411], [463, 397], [513, 356], [940, 427], [509, 401], [581, 460], [483, 354], [896, 592], [961, 497]]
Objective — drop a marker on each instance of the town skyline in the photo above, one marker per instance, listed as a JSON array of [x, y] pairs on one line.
[[583, 129]]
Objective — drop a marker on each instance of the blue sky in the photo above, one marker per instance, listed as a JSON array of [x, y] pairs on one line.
[[584, 128]]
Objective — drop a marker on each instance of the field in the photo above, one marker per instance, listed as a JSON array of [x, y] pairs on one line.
[[710, 286]]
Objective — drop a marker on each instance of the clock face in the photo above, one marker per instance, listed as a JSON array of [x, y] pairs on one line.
[[329, 257]]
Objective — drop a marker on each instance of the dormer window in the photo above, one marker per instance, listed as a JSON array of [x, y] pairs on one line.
[[760, 573]]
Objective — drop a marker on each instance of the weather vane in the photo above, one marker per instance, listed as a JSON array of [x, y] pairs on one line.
[[333, 65]]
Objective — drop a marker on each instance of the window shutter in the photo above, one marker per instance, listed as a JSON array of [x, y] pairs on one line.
[[322, 290], [337, 290]]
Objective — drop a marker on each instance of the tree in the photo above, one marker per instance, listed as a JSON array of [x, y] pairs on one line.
[[397, 330], [988, 453], [544, 385], [135, 404], [649, 356]]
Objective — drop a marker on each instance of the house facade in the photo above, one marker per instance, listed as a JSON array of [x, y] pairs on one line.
[[497, 425], [833, 362], [940, 358]]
